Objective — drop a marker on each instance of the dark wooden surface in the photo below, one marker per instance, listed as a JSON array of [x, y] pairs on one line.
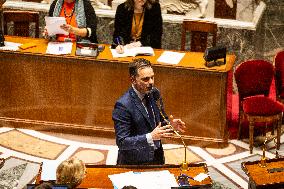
[[77, 94], [260, 178], [199, 31], [97, 175]]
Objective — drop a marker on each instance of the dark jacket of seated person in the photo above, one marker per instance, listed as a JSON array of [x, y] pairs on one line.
[[79, 14], [152, 28]]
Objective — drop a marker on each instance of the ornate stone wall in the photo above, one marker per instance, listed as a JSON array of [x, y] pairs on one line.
[[273, 28]]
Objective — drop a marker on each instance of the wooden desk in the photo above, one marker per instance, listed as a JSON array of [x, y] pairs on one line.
[[77, 94], [260, 178], [97, 175]]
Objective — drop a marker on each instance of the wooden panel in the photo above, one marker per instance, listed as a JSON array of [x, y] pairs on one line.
[[21, 21], [199, 31], [97, 175], [47, 92]]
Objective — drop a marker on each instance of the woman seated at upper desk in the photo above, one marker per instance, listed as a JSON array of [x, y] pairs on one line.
[[80, 18], [138, 23]]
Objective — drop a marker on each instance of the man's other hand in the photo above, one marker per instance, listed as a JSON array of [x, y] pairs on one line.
[[161, 131]]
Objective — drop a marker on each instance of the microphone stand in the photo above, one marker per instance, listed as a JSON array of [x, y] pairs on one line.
[[184, 164], [157, 97]]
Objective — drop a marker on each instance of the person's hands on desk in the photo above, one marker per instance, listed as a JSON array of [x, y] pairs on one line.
[[120, 48], [45, 33], [82, 32]]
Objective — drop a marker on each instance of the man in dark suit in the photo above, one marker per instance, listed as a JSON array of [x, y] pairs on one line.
[[138, 119]]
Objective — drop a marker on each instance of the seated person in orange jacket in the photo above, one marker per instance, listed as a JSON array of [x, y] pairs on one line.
[[80, 18]]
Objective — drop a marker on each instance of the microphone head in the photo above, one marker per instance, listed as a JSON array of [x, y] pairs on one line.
[[156, 94]]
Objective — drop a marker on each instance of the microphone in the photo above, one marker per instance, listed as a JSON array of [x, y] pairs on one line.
[[159, 102]]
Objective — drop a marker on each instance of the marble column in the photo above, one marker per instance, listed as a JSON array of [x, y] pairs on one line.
[[273, 28]]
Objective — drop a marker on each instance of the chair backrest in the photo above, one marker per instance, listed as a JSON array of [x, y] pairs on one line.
[[199, 33], [279, 71], [254, 77], [21, 20]]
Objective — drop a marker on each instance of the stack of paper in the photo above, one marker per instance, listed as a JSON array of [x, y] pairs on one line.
[[59, 48], [10, 46], [53, 25], [144, 180], [134, 52], [170, 57]]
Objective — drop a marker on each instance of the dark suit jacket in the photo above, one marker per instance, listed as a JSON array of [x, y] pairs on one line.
[[131, 124], [152, 28], [91, 19]]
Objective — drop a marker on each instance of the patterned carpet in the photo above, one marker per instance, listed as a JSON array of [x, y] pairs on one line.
[[24, 149]]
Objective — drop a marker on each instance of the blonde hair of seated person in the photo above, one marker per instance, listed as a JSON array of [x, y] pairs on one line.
[[71, 172]]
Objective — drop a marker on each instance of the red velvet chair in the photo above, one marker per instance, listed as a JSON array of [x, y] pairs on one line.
[[253, 80], [279, 75]]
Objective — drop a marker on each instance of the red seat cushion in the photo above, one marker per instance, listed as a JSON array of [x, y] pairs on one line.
[[261, 106]]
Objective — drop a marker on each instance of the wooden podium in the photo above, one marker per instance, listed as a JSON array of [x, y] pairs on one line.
[[97, 175], [76, 94], [269, 177]]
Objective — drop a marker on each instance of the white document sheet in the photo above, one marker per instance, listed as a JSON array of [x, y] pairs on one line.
[[170, 57], [10, 46], [53, 25], [200, 177], [59, 48], [144, 180], [146, 51]]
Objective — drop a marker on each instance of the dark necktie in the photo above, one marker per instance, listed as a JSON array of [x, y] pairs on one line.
[[151, 116], [150, 110]]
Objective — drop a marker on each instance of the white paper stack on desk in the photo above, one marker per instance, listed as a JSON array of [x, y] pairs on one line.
[[144, 180], [59, 48], [10, 46], [146, 51], [170, 57]]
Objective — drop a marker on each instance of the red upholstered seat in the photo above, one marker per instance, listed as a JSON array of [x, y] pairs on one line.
[[261, 106], [253, 80], [279, 75]]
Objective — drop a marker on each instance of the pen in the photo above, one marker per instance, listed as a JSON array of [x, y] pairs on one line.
[[118, 43], [117, 40]]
